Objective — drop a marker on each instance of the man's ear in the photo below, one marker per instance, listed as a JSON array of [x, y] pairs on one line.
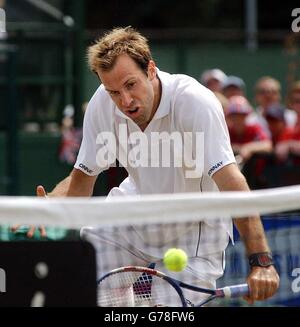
[[151, 70]]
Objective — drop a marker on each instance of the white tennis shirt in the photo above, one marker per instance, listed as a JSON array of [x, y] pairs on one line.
[[188, 112]]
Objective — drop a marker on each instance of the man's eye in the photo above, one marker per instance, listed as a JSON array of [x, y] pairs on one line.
[[130, 85]]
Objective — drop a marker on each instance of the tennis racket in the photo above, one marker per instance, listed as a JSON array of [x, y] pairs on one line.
[[134, 286]]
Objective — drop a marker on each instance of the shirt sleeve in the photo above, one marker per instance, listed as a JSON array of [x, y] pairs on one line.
[[91, 157], [203, 115]]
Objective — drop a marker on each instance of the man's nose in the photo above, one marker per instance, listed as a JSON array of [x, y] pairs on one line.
[[126, 99]]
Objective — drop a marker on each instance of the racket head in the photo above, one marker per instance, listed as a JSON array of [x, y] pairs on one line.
[[134, 286]]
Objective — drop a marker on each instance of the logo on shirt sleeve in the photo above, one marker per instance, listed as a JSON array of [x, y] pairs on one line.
[[84, 167], [214, 167]]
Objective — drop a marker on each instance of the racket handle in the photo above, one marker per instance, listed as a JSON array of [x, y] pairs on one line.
[[235, 290]]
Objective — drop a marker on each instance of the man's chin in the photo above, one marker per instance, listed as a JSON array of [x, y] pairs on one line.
[[140, 120]]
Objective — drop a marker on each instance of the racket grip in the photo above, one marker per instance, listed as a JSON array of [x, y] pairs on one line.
[[236, 290]]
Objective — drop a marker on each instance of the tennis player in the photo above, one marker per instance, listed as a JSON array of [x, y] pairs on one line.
[[134, 101]]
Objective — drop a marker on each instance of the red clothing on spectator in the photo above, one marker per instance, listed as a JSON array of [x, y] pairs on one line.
[[70, 144], [252, 133], [296, 137], [285, 135], [296, 133]]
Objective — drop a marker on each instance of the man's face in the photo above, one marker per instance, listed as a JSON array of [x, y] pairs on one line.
[[238, 122], [232, 90], [131, 89], [214, 85], [267, 93]]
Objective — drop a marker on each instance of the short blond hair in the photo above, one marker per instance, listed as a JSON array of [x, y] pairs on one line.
[[103, 54]]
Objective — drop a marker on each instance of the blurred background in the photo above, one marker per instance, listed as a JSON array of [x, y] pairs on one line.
[[45, 84]]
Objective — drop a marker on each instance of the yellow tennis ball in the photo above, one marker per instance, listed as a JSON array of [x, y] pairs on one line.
[[175, 259]]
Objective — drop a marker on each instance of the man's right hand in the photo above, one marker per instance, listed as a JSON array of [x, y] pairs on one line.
[[40, 191]]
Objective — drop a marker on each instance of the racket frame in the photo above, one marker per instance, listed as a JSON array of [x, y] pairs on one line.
[[228, 291]]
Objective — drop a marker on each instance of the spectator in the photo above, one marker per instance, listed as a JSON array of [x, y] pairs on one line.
[[223, 100], [268, 92], [277, 125], [233, 85], [292, 145], [246, 140], [293, 100], [213, 79], [70, 137]]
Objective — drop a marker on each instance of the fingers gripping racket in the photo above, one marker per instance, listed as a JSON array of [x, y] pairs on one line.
[[139, 286]]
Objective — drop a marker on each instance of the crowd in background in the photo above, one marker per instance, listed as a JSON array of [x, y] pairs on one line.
[[270, 131]]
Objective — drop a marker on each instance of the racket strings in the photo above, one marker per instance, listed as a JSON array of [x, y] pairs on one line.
[[129, 289]]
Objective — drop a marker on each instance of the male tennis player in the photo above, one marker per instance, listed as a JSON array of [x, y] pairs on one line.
[[135, 101]]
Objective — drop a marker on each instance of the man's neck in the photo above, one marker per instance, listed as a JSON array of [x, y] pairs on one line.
[[157, 95]]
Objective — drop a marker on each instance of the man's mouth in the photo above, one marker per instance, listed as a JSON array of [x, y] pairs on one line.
[[133, 112]]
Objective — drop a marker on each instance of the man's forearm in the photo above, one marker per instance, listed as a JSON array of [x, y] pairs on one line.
[[62, 188], [252, 234], [250, 229], [76, 184]]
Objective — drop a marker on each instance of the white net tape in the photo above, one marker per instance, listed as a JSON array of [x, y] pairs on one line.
[[76, 212]]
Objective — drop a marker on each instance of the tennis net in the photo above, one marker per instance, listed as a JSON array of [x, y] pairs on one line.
[[139, 230]]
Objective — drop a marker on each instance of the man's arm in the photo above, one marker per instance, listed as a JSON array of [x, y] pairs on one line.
[[76, 184], [250, 229], [81, 184], [263, 281]]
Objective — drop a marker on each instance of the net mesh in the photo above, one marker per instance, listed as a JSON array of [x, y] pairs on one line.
[[139, 230]]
